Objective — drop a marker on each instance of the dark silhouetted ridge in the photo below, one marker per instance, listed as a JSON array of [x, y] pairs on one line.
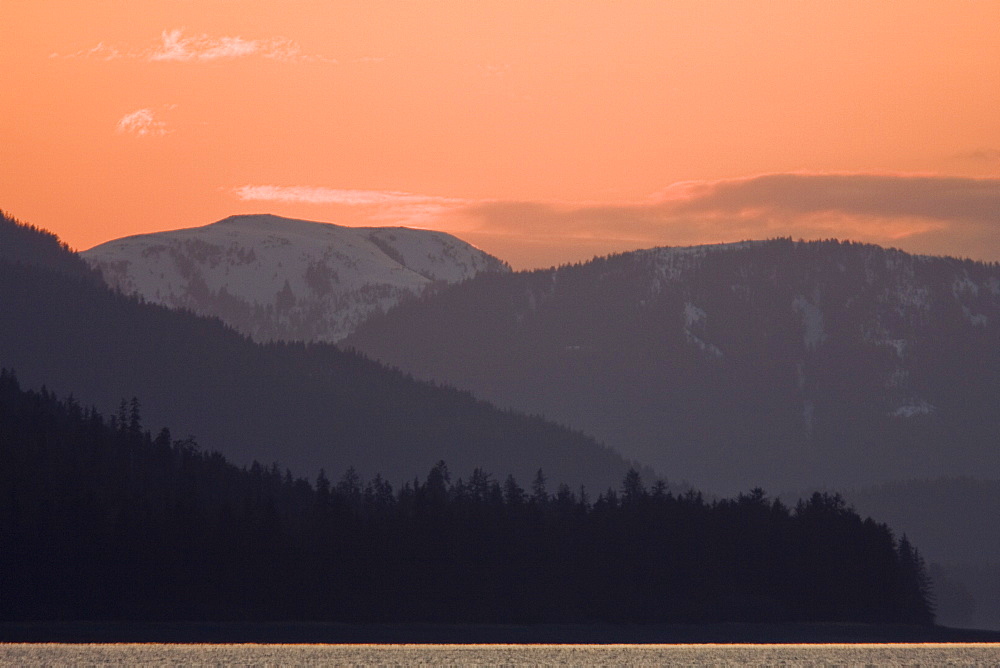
[[102, 521]]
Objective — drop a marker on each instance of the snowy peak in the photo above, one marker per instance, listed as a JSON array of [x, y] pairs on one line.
[[436, 256], [279, 278]]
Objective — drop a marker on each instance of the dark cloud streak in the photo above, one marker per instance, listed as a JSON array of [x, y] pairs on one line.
[[928, 214], [941, 198]]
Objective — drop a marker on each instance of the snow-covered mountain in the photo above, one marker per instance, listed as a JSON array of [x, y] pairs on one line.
[[276, 278]]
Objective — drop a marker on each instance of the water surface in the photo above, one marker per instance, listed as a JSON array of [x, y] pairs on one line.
[[154, 654]]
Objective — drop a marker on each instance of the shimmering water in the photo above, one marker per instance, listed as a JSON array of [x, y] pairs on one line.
[[53, 654]]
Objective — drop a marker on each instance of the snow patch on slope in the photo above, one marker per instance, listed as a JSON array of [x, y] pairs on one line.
[[434, 255], [693, 317], [669, 262], [812, 322], [913, 408]]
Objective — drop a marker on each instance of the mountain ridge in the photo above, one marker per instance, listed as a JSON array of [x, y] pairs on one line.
[[780, 362], [276, 278], [306, 406]]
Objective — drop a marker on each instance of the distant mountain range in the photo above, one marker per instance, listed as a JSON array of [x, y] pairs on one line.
[[305, 407], [275, 278], [770, 363], [787, 365]]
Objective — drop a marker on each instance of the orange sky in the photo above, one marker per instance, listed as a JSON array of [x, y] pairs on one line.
[[541, 131]]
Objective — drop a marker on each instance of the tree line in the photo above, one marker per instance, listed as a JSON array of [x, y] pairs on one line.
[[104, 520]]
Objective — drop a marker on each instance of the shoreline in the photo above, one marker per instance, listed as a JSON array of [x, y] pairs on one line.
[[418, 633]]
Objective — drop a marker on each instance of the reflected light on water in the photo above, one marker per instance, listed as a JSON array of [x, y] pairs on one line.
[[843, 654]]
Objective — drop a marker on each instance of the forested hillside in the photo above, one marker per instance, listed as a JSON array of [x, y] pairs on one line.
[[21, 243], [773, 363], [305, 406], [102, 520]]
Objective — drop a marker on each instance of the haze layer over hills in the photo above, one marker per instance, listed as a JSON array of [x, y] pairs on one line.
[[760, 363], [304, 406], [276, 278], [770, 363]]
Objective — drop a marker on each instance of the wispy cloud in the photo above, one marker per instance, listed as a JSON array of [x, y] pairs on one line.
[[370, 60], [892, 195], [920, 213], [142, 123], [495, 70], [383, 206], [347, 197], [175, 46], [981, 155], [100, 51], [932, 214]]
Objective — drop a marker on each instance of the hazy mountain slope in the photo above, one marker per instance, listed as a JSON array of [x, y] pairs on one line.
[[276, 278], [305, 406], [954, 521], [24, 244], [771, 363]]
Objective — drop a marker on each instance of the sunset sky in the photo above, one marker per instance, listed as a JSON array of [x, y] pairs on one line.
[[542, 131]]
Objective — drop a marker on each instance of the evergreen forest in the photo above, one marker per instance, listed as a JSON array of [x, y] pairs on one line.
[[104, 520], [778, 363]]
